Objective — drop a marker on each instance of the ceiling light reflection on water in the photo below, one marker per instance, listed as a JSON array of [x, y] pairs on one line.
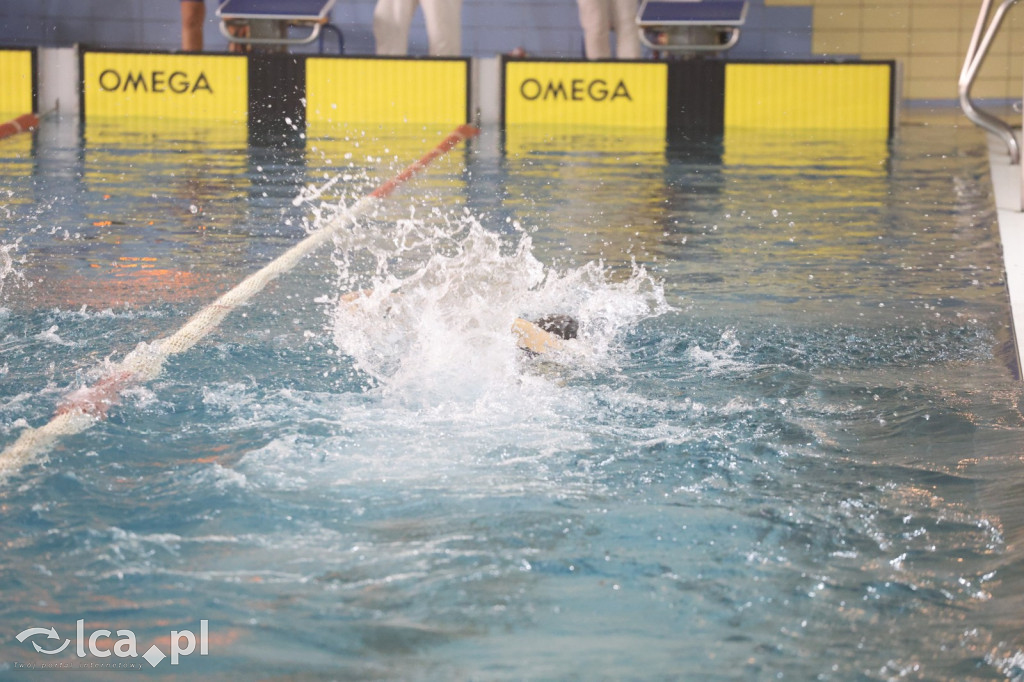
[[783, 444]]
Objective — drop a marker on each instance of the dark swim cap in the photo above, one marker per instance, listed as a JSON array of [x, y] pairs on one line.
[[562, 326]]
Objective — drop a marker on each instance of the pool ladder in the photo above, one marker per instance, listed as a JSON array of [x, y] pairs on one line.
[[981, 41], [1007, 179]]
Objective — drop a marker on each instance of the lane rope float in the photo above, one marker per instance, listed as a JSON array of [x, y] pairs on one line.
[[85, 406], [24, 123]]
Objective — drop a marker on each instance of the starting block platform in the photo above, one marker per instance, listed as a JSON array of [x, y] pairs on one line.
[[268, 20], [691, 26]]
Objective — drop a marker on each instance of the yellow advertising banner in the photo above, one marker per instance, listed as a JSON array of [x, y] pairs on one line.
[[623, 94], [386, 91], [16, 82], [808, 96], [198, 87]]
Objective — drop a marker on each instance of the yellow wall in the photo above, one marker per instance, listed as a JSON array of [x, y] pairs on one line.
[[196, 86], [808, 96], [387, 90], [929, 38], [15, 83], [625, 94]]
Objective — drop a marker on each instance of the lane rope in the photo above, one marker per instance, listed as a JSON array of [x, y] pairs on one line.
[[85, 406], [24, 123]]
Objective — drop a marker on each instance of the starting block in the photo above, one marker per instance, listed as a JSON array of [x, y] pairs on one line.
[[690, 26], [268, 20]]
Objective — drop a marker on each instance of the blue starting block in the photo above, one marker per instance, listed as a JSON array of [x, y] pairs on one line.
[[268, 20], [691, 26]]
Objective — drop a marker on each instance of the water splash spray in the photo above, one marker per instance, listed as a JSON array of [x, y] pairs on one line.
[[441, 294], [7, 268]]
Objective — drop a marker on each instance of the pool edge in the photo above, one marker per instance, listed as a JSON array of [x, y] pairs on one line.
[[1007, 179]]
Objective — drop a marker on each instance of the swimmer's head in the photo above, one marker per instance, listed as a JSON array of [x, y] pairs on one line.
[[562, 326]]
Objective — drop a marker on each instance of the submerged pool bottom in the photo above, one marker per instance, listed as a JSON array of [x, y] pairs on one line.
[[782, 447]]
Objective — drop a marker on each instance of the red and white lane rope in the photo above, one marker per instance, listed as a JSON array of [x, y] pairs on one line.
[[23, 123], [85, 406]]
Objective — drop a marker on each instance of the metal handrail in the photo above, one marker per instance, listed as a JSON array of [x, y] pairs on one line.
[[976, 53]]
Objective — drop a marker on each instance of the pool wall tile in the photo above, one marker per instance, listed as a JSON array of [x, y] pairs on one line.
[[775, 29], [17, 74]]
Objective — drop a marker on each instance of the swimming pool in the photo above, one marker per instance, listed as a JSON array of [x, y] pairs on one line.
[[784, 447]]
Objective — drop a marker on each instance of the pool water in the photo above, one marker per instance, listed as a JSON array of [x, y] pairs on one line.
[[786, 444]]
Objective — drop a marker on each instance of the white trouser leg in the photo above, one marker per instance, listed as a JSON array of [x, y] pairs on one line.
[[595, 19], [391, 20], [444, 26], [627, 40]]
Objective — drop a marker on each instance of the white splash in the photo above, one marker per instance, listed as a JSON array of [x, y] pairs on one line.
[[441, 295], [7, 264]]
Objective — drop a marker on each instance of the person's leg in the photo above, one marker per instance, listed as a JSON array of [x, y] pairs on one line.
[[239, 29], [627, 38], [444, 27], [193, 14], [391, 20], [595, 19]]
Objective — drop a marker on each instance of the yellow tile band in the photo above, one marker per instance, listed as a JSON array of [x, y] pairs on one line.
[[623, 94], [809, 96], [15, 82], [198, 87], [387, 91]]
